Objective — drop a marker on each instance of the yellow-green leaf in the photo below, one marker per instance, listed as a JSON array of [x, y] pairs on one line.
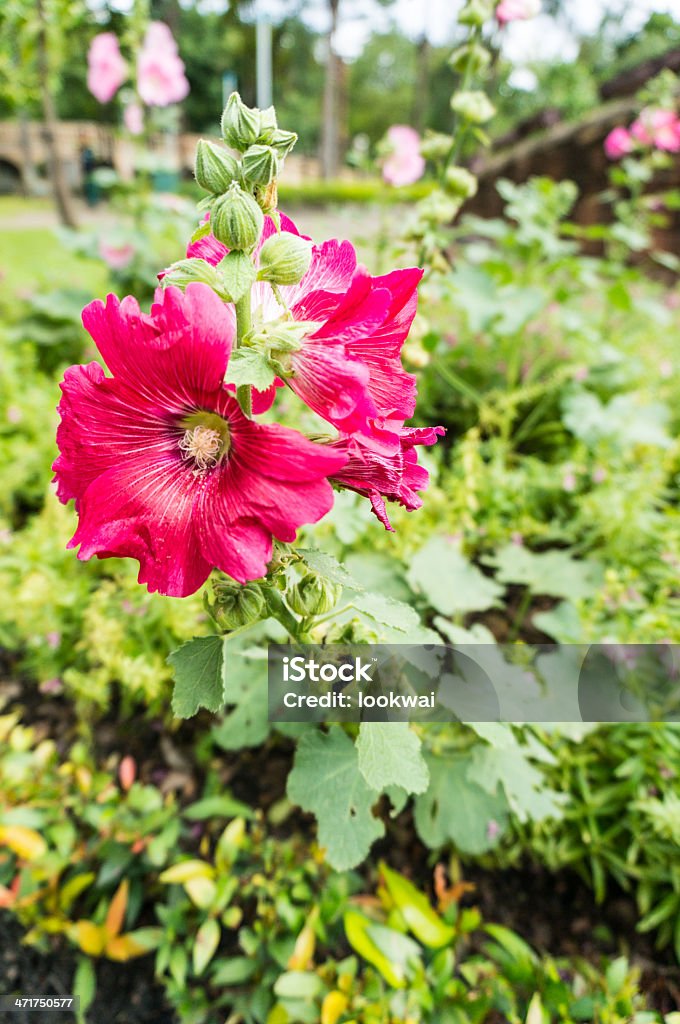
[[201, 891], [124, 947], [90, 937], [422, 920], [205, 946], [333, 1007], [186, 870], [25, 842], [356, 926]]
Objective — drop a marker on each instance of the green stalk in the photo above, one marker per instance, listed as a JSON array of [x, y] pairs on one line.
[[243, 321], [282, 613]]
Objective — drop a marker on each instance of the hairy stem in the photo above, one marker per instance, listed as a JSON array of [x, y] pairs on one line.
[[243, 319], [283, 614]]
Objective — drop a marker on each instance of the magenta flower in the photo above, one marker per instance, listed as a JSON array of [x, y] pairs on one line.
[[517, 10], [377, 476], [618, 143], [659, 128], [404, 164], [163, 465], [106, 69], [160, 70], [348, 368]]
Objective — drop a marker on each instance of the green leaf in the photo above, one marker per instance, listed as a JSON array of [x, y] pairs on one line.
[[456, 809], [245, 686], [234, 971], [442, 574], [197, 665], [425, 923], [325, 565], [357, 929], [390, 755], [205, 944], [555, 573], [387, 611], [249, 366], [525, 786], [326, 781], [239, 274], [84, 985], [221, 806], [298, 985]]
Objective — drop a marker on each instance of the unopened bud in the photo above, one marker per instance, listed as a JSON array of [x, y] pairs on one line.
[[313, 595], [240, 124], [237, 605], [237, 220], [284, 258], [460, 182], [260, 164], [438, 208], [472, 57], [436, 146], [473, 106], [475, 12], [268, 124], [282, 142], [215, 169]]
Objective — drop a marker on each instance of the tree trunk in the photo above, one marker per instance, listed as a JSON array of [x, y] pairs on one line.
[[62, 196], [420, 99], [330, 121]]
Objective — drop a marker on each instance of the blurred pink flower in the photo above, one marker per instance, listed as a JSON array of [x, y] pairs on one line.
[[127, 772], [106, 68], [53, 639], [517, 10], [51, 686], [599, 475], [160, 70], [133, 117], [117, 257], [404, 165], [666, 368], [618, 143], [569, 481], [659, 128]]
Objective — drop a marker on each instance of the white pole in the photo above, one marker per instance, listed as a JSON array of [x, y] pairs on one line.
[[263, 50]]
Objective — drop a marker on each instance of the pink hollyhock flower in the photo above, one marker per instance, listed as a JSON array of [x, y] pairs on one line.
[[106, 69], [517, 10], [659, 128], [348, 368], [117, 257], [618, 143], [404, 165], [160, 70], [162, 463], [133, 118], [377, 476]]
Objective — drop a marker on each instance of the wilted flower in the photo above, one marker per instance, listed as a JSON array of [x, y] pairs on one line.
[[395, 477], [618, 143], [404, 165], [160, 70], [106, 69], [162, 463], [517, 10]]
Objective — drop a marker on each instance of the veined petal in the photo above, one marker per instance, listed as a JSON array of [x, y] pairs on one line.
[[333, 385]]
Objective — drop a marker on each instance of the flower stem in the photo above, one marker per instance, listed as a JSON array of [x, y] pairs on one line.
[[282, 613], [243, 319]]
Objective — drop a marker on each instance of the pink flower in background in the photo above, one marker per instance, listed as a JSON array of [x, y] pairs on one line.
[[106, 69], [160, 70], [517, 10], [396, 477], [117, 257], [618, 143], [133, 118], [162, 463], [659, 128], [348, 368], [404, 165]]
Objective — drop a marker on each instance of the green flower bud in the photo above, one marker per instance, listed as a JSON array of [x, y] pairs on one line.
[[459, 182], [237, 605], [260, 164], [282, 142], [313, 595], [438, 208], [470, 56], [185, 272], [240, 124], [436, 146], [267, 198], [237, 220], [473, 106], [475, 12], [353, 632], [284, 259], [268, 124], [215, 169]]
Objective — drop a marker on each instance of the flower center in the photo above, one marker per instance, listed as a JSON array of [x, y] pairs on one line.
[[205, 440]]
